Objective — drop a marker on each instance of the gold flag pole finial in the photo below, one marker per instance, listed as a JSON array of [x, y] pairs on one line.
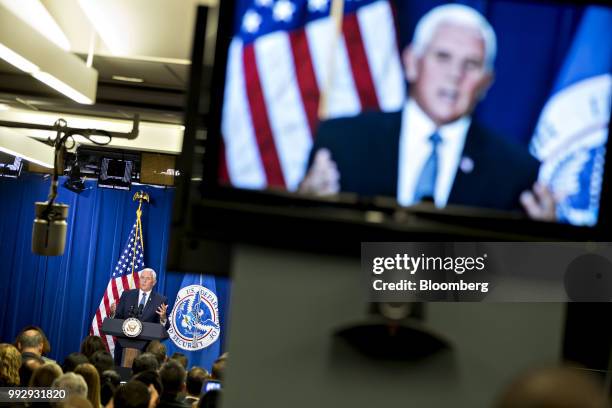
[[140, 196]]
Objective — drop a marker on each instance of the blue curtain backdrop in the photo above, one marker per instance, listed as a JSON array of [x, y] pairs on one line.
[[61, 294]]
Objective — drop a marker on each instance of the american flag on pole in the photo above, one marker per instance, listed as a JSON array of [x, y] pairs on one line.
[[286, 55], [124, 277]]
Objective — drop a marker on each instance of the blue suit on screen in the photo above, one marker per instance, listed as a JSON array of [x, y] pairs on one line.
[[365, 149]]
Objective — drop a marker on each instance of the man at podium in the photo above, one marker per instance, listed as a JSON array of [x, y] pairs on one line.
[[142, 303]]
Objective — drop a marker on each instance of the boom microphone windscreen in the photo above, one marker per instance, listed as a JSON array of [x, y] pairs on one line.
[[49, 229]]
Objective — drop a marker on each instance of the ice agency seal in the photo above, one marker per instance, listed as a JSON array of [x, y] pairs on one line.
[[194, 321]]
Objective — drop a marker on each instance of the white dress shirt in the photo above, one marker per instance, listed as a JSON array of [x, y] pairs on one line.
[[415, 148], [141, 294]]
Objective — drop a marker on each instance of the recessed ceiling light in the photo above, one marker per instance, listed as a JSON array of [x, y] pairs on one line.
[[30, 51], [127, 79], [35, 14], [17, 60], [62, 87]]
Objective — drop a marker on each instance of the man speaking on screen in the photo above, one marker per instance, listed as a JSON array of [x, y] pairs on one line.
[[432, 148], [142, 303]]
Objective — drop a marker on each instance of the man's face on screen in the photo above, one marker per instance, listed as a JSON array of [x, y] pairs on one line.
[[448, 79], [147, 281]]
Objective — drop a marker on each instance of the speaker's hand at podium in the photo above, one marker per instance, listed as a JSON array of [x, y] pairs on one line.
[[161, 311]]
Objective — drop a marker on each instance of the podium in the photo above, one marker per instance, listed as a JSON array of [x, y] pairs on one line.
[[133, 346]]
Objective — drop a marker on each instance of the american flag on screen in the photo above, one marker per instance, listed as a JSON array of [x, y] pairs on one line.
[[124, 277], [284, 55]]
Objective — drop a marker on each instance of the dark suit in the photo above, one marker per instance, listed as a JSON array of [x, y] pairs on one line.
[[25, 372], [129, 299], [366, 151], [172, 401]]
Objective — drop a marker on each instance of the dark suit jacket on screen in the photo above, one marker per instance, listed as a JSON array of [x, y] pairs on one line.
[[366, 151]]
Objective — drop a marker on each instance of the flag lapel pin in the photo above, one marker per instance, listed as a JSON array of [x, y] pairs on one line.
[[466, 164]]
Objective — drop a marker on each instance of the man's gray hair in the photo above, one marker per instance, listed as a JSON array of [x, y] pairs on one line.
[[74, 384], [152, 273], [30, 340], [460, 15]]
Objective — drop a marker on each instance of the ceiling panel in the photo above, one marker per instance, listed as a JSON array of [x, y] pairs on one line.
[[161, 28], [149, 32], [5, 67], [154, 74], [75, 24]]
